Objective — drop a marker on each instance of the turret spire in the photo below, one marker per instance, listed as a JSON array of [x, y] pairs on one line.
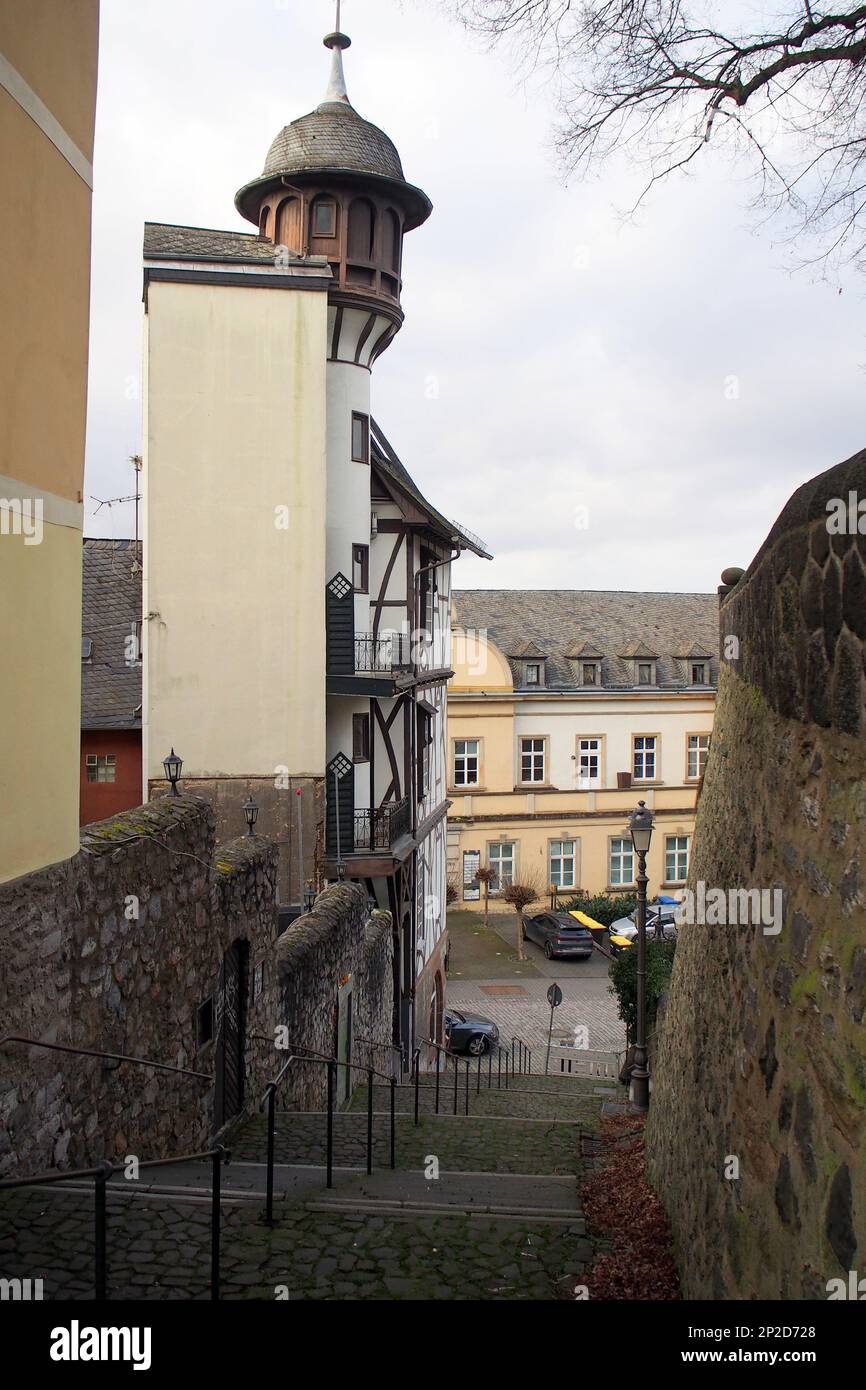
[[337, 85]]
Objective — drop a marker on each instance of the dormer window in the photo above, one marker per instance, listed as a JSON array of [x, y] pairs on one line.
[[645, 673], [590, 673], [532, 673], [699, 673]]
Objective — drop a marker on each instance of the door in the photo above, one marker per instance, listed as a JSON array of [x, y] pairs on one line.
[[231, 1033]]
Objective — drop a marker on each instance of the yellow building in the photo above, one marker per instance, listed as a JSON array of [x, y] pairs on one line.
[[565, 709], [48, 59]]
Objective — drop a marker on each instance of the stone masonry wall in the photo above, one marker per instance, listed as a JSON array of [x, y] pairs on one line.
[[114, 950], [340, 942], [762, 1050]]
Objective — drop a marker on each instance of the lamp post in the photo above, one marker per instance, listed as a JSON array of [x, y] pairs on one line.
[[251, 813], [309, 897], [641, 827], [173, 765]]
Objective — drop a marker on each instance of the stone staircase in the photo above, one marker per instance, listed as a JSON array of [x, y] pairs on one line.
[[483, 1206]]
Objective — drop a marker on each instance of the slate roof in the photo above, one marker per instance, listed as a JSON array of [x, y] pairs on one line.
[[385, 459], [333, 136], [560, 621], [111, 603], [164, 240]]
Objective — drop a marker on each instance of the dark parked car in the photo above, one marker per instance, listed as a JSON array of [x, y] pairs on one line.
[[558, 934], [469, 1033]]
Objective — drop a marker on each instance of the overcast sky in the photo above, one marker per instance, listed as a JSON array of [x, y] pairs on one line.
[[608, 403]]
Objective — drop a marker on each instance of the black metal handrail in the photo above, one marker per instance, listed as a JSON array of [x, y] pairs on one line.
[[388, 653], [108, 1056], [379, 827], [332, 1063], [101, 1176]]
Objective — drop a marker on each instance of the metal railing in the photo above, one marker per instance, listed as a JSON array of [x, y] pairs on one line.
[[107, 1056], [332, 1063], [380, 827], [101, 1176], [382, 654], [517, 1061]]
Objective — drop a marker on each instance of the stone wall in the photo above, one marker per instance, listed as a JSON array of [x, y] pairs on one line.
[[762, 1051], [115, 950], [341, 943]]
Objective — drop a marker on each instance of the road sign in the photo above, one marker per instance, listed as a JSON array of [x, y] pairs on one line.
[[554, 996]]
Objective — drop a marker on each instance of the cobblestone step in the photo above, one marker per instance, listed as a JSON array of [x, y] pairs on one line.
[[579, 1104]]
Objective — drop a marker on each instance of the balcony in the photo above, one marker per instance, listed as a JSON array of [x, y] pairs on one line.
[[382, 655], [382, 827]]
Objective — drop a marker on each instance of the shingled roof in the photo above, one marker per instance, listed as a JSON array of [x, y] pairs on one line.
[[111, 603], [166, 241], [611, 622]]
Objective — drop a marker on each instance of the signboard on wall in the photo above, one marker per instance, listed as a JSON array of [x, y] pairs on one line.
[[471, 865]]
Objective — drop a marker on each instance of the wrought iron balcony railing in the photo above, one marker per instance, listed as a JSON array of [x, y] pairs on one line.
[[389, 653], [382, 826]]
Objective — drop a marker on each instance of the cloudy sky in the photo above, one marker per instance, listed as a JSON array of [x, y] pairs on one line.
[[610, 403]]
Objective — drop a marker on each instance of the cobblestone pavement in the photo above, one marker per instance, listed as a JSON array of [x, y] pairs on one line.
[[162, 1250], [468, 1144], [577, 1104], [586, 1003]]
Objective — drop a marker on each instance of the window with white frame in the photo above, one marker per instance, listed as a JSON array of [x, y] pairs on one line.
[[589, 762], [466, 762], [676, 858], [101, 767], [562, 863], [500, 858], [699, 747], [645, 757], [621, 866], [532, 760]]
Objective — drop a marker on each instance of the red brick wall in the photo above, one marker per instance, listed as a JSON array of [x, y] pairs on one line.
[[102, 799]]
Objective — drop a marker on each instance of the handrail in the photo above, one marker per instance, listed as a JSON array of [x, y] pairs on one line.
[[101, 1176], [332, 1063], [109, 1056]]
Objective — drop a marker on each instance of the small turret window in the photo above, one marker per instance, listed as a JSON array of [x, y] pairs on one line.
[[324, 218], [391, 248]]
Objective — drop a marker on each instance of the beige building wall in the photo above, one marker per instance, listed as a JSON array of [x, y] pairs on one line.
[[482, 706], [233, 584], [48, 62]]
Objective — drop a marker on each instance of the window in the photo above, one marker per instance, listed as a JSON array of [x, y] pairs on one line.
[[361, 568], [562, 863], [589, 674], [204, 1023], [699, 673], [676, 858], [101, 767], [392, 238], [360, 437], [589, 762], [532, 760], [621, 863], [362, 230], [500, 858], [361, 738], [645, 673], [324, 218], [533, 673], [645, 758], [698, 748], [466, 762], [424, 729]]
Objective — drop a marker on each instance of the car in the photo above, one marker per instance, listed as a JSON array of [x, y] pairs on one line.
[[663, 915], [470, 1033], [558, 934]]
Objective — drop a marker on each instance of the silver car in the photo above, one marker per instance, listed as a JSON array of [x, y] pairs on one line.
[[627, 926]]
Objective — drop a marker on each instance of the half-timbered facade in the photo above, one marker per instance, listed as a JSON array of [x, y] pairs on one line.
[[297, 644]]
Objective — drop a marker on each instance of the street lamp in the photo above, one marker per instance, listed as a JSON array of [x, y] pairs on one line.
[[173, 765], [251, 812], [641, 827], [309, 897]]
